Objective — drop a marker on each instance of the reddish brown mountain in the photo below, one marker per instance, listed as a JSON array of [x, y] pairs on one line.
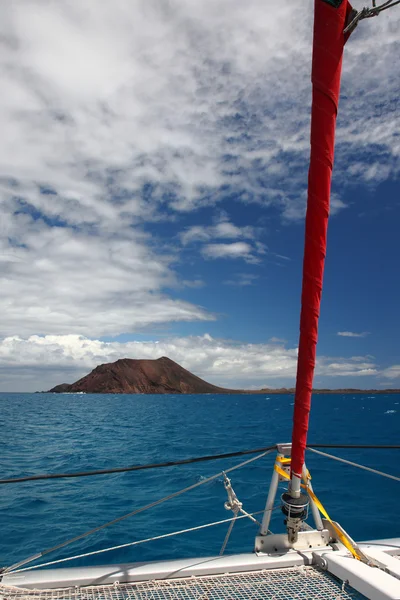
[[129, 376]]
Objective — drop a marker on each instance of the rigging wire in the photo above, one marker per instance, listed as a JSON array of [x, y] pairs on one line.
[[173, 463], [144, 541], [267, 450], [187, 461], [378, 9], [366, 13], [353, 464], [132, 513]]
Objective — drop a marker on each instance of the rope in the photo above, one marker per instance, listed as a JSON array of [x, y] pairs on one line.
[[134, 512], [353, 549], [156, 537], [366, 13], [233, 504], [236, 507], [378, 9], [357, 446], [250, 517], [353, 464], [228, 534], [174, 463], [186, 461]]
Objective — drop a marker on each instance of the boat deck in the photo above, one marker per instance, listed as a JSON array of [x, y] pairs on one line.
[[297, 583]]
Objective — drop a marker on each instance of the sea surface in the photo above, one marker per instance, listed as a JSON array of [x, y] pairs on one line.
[[50, 433]]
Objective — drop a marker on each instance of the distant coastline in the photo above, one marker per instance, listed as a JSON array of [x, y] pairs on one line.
[[164, 376], [333, 391], [272, 392]]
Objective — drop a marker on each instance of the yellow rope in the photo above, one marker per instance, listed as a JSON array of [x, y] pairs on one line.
[[320, 507]]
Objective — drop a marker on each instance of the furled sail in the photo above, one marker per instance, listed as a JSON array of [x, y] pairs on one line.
[[330, 20]]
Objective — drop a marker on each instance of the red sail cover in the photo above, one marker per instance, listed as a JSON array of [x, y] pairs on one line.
[[329, 22]]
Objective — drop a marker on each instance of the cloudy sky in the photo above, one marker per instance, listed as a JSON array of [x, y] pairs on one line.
[[153, 169]]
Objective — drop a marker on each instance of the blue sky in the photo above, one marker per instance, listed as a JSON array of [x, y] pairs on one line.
[[153, 175]]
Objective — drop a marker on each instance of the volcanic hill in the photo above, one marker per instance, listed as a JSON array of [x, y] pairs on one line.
[[130, 376]]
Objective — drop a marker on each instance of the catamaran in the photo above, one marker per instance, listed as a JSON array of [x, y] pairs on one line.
[[304, 562]]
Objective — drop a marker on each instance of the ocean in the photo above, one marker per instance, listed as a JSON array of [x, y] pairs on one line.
[[50, 433]]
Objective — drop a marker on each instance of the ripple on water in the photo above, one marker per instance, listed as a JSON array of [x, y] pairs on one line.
[[43, 433]]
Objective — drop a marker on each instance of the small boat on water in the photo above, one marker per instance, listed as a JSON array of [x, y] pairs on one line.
[[303, 562]]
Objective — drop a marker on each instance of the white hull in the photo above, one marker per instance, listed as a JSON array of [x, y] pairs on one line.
[[373, 582]]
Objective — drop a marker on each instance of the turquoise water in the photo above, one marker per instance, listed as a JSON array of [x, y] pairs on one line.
[[62, 433]]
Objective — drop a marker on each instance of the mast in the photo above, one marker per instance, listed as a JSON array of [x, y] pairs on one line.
[[330, 19]]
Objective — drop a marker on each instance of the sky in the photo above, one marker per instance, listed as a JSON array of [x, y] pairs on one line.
[[153, 182]]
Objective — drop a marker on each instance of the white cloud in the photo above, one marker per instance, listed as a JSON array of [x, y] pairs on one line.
[[110, 112], [347, 368], [38, 362], [71, 281], [242, 279], [235, 250], [194, 283], [392, 372], [186, 96], [197, 233], [223, 229], [352, 334]]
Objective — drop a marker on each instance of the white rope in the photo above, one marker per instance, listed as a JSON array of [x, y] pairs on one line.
[[157, 537], [233, 503], [250, 517], [353, 464], [134, 512], [236, 507], [228, 534]]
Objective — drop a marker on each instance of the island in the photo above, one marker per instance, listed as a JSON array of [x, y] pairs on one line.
[[164, 376], [133, 376]]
